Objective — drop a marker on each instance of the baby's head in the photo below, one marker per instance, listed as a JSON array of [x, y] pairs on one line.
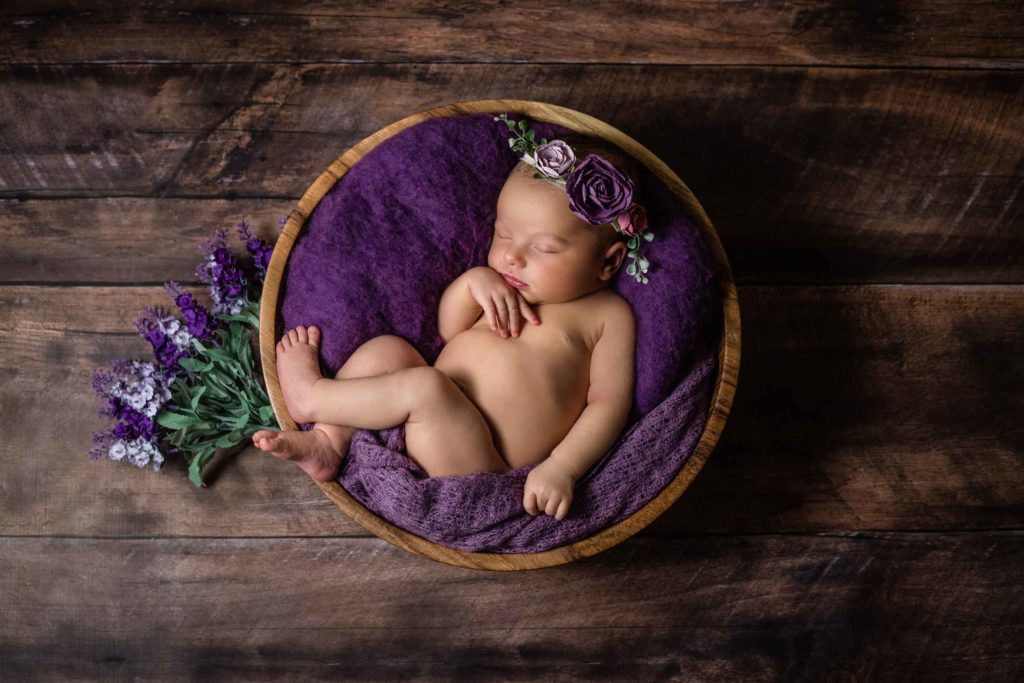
[[539, 241]]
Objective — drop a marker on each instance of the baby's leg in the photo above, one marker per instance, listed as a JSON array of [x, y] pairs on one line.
[[445, 433], [379, 356], [319, 451]]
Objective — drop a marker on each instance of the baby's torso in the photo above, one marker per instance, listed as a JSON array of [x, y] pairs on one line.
[[530, 388]]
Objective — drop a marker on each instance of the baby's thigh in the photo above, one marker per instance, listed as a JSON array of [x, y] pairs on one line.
[[380, 356], [446, 434]]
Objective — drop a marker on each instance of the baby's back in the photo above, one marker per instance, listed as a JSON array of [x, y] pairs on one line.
[[530, 388]]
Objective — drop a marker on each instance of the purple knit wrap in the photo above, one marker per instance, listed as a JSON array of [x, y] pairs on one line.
[[377, 254]]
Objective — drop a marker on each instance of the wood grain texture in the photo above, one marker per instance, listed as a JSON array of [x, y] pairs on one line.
[[123, 240], [832, 142], [945, 33], [843, 175], [872, 407], [755, 608]]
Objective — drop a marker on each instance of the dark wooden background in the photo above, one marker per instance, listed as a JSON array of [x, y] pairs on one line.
[[861, 518]]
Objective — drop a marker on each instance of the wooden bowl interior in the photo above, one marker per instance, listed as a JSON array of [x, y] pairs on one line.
[[728, 350]]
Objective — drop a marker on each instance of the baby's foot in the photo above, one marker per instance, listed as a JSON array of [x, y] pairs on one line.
[[313, 451], [298, 370]]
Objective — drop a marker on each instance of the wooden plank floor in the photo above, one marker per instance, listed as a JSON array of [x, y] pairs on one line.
[[863, 515]]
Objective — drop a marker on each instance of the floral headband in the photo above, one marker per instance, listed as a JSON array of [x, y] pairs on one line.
[[598, 192]]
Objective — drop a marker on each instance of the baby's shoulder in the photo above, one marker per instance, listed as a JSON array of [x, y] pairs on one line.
[[606, 310], [611, 307]]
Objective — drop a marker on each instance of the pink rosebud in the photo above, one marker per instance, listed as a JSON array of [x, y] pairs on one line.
[[633, 220]]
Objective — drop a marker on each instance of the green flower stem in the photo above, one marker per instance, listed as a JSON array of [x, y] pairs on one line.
[[218, 401]]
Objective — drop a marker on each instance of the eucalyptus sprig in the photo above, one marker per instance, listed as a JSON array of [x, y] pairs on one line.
[[638, 268], [218, 402], [523, 141]]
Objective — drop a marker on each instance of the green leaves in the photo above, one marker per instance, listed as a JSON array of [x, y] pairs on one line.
[[638, 268], [218, 401], [523, 139]]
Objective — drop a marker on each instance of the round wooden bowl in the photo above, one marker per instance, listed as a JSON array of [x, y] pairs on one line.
[[728, 350]]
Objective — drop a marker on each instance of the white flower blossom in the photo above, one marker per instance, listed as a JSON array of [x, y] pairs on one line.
[[143, 388], [117, 451]]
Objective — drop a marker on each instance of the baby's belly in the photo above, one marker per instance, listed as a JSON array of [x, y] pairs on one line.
[[530, 389]]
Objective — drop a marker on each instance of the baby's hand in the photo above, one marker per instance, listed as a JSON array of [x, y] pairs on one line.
[[548, 489], [502, 302]]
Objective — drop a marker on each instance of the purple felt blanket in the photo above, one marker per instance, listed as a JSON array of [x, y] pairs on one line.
[[377, 254]]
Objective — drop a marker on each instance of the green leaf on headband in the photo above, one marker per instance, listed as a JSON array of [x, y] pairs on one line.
[[522, 125], [634, 242], [530, 136]]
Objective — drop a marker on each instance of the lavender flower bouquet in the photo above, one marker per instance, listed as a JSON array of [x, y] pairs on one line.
[[202, 392]]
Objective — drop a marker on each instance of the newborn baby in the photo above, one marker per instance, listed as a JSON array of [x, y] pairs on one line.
[[538, 364]]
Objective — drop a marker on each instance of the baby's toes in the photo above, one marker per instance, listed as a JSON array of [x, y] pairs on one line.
[[314, 336], [300, 332]]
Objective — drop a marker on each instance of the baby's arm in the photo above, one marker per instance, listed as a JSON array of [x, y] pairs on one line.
[[481, 290], [610, 396], [457, 310], [549, 486]]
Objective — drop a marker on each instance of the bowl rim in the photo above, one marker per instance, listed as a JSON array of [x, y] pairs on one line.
[[728, 349]]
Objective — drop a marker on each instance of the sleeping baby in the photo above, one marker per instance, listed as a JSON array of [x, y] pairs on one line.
[[538, 362]]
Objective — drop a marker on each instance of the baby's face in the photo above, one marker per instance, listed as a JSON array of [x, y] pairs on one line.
[[537, 240]]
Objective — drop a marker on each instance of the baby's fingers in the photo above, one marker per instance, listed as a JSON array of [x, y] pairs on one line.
[[563, 509], [501, 313], [491, 317], [530, 502], [527, 312], [552, 505], [513, 313]]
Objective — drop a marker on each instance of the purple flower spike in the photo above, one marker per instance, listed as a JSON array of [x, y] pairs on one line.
[[135, 392], [197, 318], [259, 249], [222, 272], [170, 341]]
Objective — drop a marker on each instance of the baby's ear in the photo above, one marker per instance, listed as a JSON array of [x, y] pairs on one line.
[[612, 259]]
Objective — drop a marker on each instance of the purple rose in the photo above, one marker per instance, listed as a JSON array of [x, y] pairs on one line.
[[554, 159], [598, 192]]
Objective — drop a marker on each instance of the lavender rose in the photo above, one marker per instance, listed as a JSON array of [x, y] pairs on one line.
[[598, 192], [554, 159]]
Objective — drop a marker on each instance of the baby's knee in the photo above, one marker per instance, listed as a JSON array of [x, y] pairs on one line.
[[429, 382], [380, 356], [398, 351]]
